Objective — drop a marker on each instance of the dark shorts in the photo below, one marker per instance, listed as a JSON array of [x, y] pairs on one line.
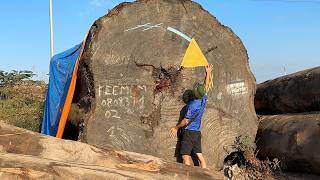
[[191, 142]]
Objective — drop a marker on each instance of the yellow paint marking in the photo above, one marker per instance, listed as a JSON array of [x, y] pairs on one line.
[[194, 56]]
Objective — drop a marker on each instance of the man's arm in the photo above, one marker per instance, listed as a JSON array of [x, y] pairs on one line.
[[208, 77], [174, 130], [183, 123]]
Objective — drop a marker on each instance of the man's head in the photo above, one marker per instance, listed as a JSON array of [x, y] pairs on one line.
[[199, 91]]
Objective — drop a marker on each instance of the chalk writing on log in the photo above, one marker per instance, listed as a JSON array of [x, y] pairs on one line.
[[120, 89], [113, 59], [149, 25], [145, 27], [112, 114], [119, 137], [120, 99], [238, 88]]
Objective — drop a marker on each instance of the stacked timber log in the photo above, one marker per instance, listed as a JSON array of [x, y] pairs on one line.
[[131, 86], [28, 155], [292, 135], [292, 138], [294, 93]]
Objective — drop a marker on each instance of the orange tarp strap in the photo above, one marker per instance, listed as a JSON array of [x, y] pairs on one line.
[[68, 102]]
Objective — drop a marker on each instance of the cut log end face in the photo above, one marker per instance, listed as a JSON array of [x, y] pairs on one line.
[[134, 57]]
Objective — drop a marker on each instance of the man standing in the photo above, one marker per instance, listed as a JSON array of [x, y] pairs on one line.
[[191, 124]]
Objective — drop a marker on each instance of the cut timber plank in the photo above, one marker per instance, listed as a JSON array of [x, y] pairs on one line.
[[28, 155]]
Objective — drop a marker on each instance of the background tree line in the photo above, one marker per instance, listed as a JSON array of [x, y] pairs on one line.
[[10, 78]]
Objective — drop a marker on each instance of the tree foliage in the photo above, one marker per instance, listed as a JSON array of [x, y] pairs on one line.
[[10, 78]]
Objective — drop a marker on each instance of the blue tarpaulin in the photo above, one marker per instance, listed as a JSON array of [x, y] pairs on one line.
[[61, 70]]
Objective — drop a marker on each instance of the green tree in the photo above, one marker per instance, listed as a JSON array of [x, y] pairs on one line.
[[10, 78]]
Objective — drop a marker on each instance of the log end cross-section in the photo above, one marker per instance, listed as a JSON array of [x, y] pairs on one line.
[[135, 88]]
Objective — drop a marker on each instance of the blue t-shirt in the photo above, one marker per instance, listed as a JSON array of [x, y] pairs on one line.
[[195, 113]]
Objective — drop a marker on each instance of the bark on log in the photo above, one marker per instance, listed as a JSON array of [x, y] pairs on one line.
[[294, 93], [28, 155], [131, 80], [293, 139]]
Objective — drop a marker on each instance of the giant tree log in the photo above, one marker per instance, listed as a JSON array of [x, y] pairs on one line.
[[131, 86], [294, 93], [28, 155], [293, 139]]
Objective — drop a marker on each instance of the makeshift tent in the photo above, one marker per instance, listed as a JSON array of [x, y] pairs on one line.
[[62, 81]]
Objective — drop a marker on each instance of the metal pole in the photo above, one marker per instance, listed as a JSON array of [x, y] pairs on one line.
[[51, 29]]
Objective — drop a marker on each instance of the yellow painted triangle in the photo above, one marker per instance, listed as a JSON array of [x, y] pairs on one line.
[[194, 56]]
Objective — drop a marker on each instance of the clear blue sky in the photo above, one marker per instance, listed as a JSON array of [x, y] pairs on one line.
[[276, 33]]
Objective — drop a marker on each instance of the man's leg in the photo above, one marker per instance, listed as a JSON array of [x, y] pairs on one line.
[[186, 147], [186, 159], [203, 163], [198, 151]]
